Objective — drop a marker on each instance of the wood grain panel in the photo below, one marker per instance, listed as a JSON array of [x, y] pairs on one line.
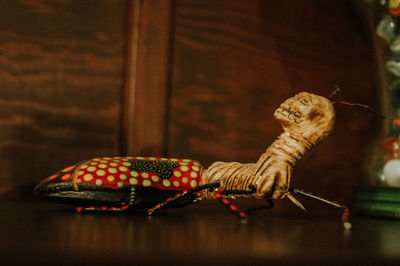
[[147, 79], [234, 62], [61, 78]]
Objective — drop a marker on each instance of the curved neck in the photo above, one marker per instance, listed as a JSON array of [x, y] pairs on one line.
[[290, 147]]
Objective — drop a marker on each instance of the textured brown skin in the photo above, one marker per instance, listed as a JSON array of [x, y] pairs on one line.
[[306, 120]]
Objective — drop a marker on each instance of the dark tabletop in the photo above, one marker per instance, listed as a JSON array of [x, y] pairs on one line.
[[45, 233]]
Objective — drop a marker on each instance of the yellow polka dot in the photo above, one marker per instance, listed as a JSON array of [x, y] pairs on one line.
[[84, 166], [103, 161], [152, 158], [133, 181], [100, 172], [112, 170], [185, 180], [91, 168], [177, 173], [113, 164], [193, 174], [106, 158], [123, 169], [145, 175], [184, 168], [176, 183], [196, 163], [123, 177], [155, 178], [146, 183], [186, 160], [110, 178], [193, 183], [87, 177], [166, 183], [139, 158], [93, 163], [134, 174], [126, 164], [195, 168], [96, 159], [174, 160], [164, 159], [102, 165], [120, 184], [80, 173], [99, 182], [184, 163]]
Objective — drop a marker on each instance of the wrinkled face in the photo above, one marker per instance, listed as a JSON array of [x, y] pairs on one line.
[[305, 112]]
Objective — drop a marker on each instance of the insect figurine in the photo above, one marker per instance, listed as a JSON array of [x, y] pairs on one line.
[[141, 183]]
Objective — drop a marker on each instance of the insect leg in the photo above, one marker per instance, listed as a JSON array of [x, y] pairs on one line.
[[182, 194], [102, 209], [345, 215], [231, 207], [269, 205], [224, 201], [124, 207]]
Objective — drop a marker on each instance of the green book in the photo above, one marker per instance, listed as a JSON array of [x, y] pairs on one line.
[[381, 201]]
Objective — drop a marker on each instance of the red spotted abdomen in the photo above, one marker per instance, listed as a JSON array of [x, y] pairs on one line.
[[159, 173]]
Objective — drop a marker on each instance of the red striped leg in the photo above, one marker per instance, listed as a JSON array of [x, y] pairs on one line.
[[167, 201], [101, 208], [230, 206]]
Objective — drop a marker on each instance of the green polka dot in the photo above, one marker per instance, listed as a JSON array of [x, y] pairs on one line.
[[96, 159], [87, 177], [91, 168], [113, 164], [152, 158], [166, 183], [133, 181], [174, 160], [99, 182], [195, 168], [145, 175], [177, 173], [110, 178], [134, 174], [184, 168], [81, 173], [123, 177], [126, 164], [112, 170], [193, 183], [84, 166], [186, 160], [176, 183], [146, 183], [140, 158], [93, 163], [185, 180], [100, 172], [193, 174], [102, 165], [123, 169], [155, 178], [120, 184]]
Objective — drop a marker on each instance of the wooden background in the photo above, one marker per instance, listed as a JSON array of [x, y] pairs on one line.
[[183, 78]]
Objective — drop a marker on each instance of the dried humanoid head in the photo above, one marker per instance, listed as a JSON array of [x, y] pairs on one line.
[[307, 114]]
